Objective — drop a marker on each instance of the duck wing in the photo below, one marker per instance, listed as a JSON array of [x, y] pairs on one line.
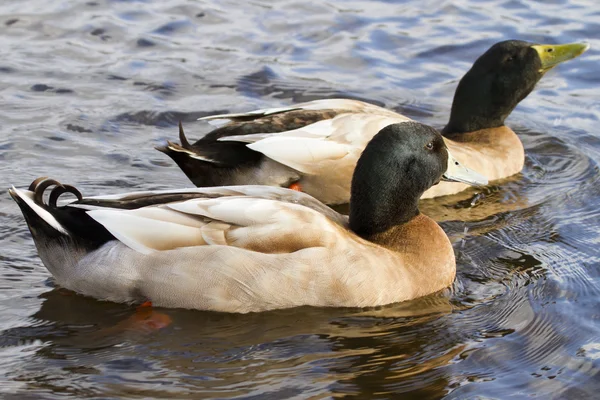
[[264, 219], [308, 148]]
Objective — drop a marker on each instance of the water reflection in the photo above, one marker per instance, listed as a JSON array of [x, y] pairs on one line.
[[232, 354]]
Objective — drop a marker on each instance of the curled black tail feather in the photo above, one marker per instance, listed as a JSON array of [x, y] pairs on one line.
[[39, 186], [35, 183]]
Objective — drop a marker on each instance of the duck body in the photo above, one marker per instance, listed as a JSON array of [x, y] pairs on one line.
[[312, 261], [314, 146], [255, 248]]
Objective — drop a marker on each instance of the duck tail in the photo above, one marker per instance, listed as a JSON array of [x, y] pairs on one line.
[[183, 139], [40, 217], [210, 162], [185, 149], [52, 239], [62, 234]]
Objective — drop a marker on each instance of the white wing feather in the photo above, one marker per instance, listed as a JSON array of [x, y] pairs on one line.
[[199, 222], [147, 235], [240, 211], [305, 148], [301, 154]]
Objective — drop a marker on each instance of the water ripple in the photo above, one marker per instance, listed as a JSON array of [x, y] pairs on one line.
[[99, 83]]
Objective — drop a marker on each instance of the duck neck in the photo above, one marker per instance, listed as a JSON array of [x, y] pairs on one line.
[[483, 101], [376, 211], [473, 123], [474, 113]]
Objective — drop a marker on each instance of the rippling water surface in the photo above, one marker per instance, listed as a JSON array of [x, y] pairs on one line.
[[87, 88]]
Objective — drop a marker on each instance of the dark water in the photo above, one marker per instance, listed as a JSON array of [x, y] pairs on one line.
[[88, 87]]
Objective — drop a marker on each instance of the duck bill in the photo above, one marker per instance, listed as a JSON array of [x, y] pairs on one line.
[[457, 172], [553, 54]]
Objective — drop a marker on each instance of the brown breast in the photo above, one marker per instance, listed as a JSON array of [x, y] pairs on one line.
[[426, 250]]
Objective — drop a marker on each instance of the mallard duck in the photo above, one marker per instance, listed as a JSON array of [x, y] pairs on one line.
[[314, 146], [256, 248]]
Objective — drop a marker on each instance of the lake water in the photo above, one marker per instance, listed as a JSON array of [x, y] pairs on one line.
[[87, 88]]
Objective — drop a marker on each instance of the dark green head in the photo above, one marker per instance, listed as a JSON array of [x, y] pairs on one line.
[[499, 79], [400, 163]]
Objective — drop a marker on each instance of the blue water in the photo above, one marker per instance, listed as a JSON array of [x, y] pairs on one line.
[[87, 88]]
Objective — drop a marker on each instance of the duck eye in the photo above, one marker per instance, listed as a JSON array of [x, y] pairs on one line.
[[509, 58], [429, 146]]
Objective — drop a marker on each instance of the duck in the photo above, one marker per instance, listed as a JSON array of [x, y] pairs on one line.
[[314, 146], [253, 248]]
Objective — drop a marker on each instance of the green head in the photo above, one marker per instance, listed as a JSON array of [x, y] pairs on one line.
[[398, 165], [500, 78]]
